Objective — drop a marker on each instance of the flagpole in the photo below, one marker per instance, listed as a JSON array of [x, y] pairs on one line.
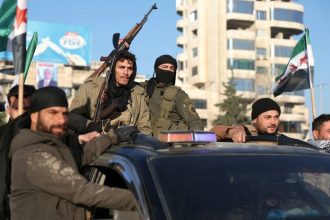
[[310, 77], [20, 93]]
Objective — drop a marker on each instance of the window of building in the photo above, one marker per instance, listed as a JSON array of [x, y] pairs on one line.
[[288, 108], [261, 15], [195, 52], [199, 103], [195, 33], [240, 44], [240, 6], [244, 84], [261, 70], [243, 64], [287, 15], [261, 51], [262, 90], [290, 126], [194, 70], [193, 16], [180, 65], [282, 51], [261, 33]]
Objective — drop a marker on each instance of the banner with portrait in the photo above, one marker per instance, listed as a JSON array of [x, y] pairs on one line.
[[47, 74]]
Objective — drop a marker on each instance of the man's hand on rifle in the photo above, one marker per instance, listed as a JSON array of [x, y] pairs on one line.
[[125, 43]]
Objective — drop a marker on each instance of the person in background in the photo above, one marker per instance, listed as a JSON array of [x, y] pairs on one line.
[[12, 98], [170, 107], [12, 103], [321, 132], [265, 116]]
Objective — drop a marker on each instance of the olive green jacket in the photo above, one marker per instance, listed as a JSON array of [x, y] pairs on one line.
[[180, 114], [46, 184], [137, 112]]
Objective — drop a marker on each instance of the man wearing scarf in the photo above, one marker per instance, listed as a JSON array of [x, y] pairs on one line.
[[126, 96], [45, 179], [170, 107]]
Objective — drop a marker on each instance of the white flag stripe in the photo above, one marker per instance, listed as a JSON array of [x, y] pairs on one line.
[[310, 55]]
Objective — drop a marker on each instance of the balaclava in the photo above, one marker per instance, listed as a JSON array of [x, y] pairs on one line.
[[165, 76]]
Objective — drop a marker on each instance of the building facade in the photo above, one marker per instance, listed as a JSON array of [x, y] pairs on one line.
[[248, 40]]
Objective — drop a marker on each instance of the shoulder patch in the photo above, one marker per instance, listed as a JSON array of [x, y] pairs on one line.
[[191, 108]]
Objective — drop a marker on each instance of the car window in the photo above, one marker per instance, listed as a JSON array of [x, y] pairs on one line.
[[244, 187], [112, 178]]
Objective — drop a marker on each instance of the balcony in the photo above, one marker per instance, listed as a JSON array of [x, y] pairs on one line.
[[295, 99], [237, 20], [181, 41], [239, 14], [180, 25], [287, 19], [247, 95], [181, 57], [180, 7]]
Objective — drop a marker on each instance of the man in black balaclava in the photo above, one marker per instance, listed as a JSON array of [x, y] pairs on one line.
[[165, 68], [170, 107]]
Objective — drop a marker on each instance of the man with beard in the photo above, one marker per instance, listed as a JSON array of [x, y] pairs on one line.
[[45, 181], [170, 107], [265, 118], [321, 132], [125, 98]]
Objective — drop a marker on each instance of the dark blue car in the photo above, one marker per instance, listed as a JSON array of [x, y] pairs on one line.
[[212, 181]]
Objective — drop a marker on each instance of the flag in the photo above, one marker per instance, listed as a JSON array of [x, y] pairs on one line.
[[300, 69], [13, 22], [29, 53], [29, 56], [7, 18]]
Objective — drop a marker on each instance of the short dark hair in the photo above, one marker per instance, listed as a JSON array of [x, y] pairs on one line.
[[28, 91], [318, 122], [126, 55]]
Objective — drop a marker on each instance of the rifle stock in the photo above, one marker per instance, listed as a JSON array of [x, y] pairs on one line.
[[109, 61]]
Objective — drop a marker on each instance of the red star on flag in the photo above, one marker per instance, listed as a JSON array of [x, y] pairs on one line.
[[21, 16], [303, 60]]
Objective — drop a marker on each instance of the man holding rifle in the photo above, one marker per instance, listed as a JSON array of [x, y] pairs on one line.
[[116, 100], [124, 101]]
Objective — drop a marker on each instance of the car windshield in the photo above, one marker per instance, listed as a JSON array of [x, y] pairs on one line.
[[244, 187]]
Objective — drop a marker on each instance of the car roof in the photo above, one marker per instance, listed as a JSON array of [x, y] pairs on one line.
[[214, 148]]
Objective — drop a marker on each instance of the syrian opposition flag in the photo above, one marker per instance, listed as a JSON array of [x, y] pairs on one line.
[[13, 22], [300, 69]]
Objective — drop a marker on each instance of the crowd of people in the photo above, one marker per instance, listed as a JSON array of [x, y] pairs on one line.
[[42, 150]]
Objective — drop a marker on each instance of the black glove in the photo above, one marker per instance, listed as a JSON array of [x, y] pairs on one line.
[[126, 133]]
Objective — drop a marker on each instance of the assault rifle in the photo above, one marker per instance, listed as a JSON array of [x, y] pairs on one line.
[[109, 61]]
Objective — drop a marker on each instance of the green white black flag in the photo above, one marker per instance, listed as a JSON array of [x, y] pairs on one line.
[[299, 69], [13, 22]]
